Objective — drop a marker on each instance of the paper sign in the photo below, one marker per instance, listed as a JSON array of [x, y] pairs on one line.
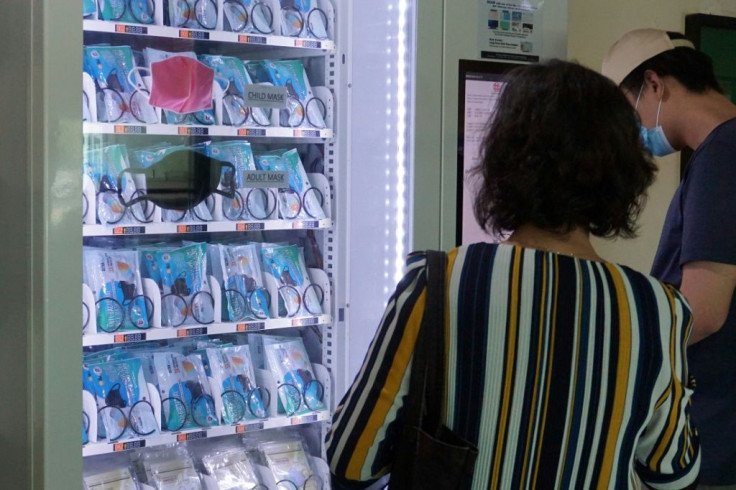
[[510, 30]]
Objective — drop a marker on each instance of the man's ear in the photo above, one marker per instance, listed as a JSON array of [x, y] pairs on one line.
[[654, 83]]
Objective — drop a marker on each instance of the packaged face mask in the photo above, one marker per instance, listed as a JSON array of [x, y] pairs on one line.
[[114, 277], [248, 203], [301, 200], [299, 390], [248, 16], [230, 74], [297, 295], [241, 397], [186, 401], [133, 11], [193, 15], [123, 400], [289, 464], [231, 469], [105, 167], [186, 298], [146, 157], [171, 468], [116, 479], [303, 109], [89, 7], [121, 94], [303, 18], [244, 296]]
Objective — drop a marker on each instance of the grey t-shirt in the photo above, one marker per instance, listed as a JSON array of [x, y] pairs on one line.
[[701, 226]]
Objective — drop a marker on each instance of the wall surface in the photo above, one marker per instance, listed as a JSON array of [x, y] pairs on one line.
[[448, 31], [593, 25]]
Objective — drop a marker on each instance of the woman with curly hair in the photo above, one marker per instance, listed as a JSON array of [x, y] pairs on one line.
[[563, 369]]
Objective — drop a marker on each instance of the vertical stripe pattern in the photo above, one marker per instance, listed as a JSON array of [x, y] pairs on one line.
[[565, 373]]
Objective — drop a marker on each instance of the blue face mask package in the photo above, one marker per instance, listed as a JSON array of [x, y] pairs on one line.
[[89, 7], [301, 200], [145, 157], [104, 166], [298, 388], [297, 295], [114, 277], [185, 398], [123, 399], [303, 18], [119, 95], [241, 397], [133, 11], [248, 16], [249, 203], [204, 117], [186, 298], [149, 261], [303, 109], [230, 74], [244, 295], [193, 14]]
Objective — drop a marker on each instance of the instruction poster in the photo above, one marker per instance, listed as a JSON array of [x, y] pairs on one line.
[[511, 30]]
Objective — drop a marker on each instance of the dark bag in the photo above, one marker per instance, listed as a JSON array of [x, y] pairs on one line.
[[428, 454]]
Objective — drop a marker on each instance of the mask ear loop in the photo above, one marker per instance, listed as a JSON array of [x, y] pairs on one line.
[[659, 107], [141, 90], [141, 197]]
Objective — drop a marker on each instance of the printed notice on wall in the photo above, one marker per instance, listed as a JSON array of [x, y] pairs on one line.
[[482, 91], [511, 30]]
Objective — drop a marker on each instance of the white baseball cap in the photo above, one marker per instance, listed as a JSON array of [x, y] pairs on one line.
[[636, 47]]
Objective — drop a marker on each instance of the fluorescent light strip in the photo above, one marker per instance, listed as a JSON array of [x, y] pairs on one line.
[[401, 110]]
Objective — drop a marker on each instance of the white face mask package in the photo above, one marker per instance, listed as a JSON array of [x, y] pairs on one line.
[[233, 372], [289, 465], [170, 468], [112, 479], [297, 295], [232, 469], [114, 277], [299, 389]]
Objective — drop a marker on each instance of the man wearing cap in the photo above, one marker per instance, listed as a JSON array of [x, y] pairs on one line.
[[673, 88]]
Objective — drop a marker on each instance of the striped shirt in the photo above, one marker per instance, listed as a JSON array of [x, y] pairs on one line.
[[566, 373]]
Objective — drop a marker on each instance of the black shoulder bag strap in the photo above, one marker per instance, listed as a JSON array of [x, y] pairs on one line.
[[428, 364], [428, 454]]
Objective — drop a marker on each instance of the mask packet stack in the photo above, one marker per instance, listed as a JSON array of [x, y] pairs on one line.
[[114, 277], [297, 294], [186, 298], [232, 370], [298, 388]]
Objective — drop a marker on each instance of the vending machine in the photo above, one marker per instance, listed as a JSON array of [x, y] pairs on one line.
[[242, 210]]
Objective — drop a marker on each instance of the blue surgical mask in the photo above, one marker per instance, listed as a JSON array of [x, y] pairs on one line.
[[654, 138]]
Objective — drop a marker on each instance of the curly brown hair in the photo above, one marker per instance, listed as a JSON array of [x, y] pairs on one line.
[[562, 151]]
